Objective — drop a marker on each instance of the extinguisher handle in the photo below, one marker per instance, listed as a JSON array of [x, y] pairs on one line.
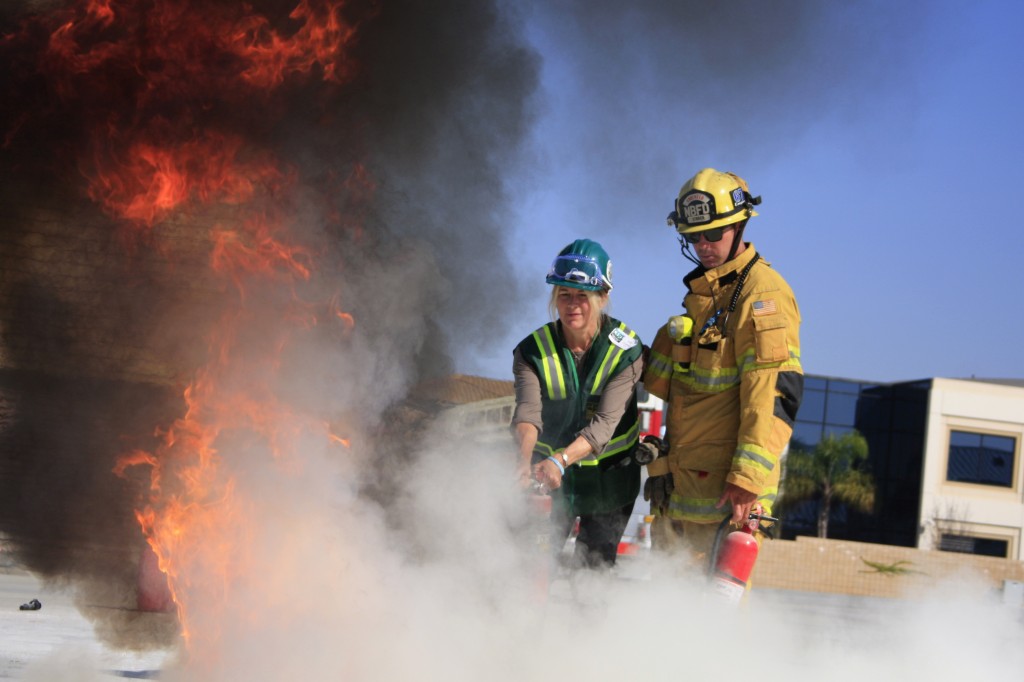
[[764, 529], [713, 556]]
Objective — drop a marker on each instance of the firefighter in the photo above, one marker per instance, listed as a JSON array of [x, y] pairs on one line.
[[729, 369], [576, 421]]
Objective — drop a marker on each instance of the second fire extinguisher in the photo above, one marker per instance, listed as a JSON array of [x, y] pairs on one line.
[[733, 557]]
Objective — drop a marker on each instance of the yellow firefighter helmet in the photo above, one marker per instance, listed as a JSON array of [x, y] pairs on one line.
[[712, 199]]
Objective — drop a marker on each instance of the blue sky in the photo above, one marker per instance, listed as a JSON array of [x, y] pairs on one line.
[[883, 137]]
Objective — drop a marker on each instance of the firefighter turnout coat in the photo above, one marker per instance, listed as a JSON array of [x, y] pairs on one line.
[[733, 383]]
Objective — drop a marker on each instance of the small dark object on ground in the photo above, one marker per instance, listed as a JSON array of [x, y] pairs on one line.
[[33, 605]]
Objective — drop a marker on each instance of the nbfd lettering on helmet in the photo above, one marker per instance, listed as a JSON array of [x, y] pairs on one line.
[[697, 212]]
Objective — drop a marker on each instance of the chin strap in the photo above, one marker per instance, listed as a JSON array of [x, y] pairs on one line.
[[684, 246], [737, 240]]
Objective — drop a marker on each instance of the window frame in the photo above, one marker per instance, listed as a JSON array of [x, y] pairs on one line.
[[1013, 489], [966, 536], [982, 531]]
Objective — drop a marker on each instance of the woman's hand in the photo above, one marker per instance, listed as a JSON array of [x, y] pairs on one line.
[[526, 438], [524, 475], [547, 474]]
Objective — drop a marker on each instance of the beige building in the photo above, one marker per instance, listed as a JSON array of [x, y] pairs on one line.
[[972, 486]]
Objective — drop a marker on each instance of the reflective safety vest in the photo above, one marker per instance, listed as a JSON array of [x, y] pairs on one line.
[[569, 399]]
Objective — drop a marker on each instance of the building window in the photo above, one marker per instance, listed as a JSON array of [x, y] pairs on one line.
[[981, 458], [971, 545], [841, 409], [812, 406], [805, 436]]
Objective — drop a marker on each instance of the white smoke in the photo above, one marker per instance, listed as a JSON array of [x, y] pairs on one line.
[[340, 595]]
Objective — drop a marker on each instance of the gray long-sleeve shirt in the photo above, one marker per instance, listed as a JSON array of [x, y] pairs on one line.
[[610, 408]]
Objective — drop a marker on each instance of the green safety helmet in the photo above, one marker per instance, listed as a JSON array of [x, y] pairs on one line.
[[584, 264]]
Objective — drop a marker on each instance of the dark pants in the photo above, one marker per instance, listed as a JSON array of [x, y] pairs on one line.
[[597, 544]]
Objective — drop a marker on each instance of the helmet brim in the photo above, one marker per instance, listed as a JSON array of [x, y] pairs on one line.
[[683, 228], [577, 285]]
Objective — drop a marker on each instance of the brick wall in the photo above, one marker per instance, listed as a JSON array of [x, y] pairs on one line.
[[81, 297]]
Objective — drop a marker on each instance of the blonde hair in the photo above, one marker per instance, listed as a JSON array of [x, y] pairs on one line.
[[599, 301]]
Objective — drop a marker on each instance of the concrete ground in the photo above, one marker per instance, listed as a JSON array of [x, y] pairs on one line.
[[44, 644], [35, 645]]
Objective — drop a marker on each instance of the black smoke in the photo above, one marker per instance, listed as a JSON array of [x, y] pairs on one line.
[[398, 201]]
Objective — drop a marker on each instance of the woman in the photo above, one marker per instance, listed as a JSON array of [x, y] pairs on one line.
[[576, 420]]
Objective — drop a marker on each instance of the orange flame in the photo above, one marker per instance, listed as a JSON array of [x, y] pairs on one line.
[[340, 440], [148, 181], [177, 61], [167, 158], [270, 57]]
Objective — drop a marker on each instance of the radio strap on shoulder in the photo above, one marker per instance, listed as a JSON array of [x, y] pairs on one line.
[[736, 294]]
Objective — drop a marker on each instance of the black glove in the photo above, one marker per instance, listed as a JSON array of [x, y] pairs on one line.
[[657, 490], [645, 453], [649, 449]]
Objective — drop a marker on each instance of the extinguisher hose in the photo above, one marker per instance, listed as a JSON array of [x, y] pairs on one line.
[[713, 557]]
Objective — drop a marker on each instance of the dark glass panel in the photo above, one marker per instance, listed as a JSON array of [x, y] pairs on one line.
[[838, 385], [981, 458], [812, 407], [841, 409]]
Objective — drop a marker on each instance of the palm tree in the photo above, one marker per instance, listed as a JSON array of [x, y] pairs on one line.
[[831, 470]]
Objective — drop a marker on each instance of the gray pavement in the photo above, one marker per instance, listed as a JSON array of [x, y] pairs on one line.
[[954, 641], [57, 642]]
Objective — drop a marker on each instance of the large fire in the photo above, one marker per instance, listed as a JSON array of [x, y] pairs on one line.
[[179, 65]]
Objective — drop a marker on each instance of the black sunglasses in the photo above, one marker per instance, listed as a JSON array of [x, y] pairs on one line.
[[712, 235]]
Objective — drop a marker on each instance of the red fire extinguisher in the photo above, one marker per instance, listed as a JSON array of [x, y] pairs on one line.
[[732, 558]]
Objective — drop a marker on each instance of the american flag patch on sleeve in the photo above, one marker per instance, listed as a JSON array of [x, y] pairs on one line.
[[765, 307]]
